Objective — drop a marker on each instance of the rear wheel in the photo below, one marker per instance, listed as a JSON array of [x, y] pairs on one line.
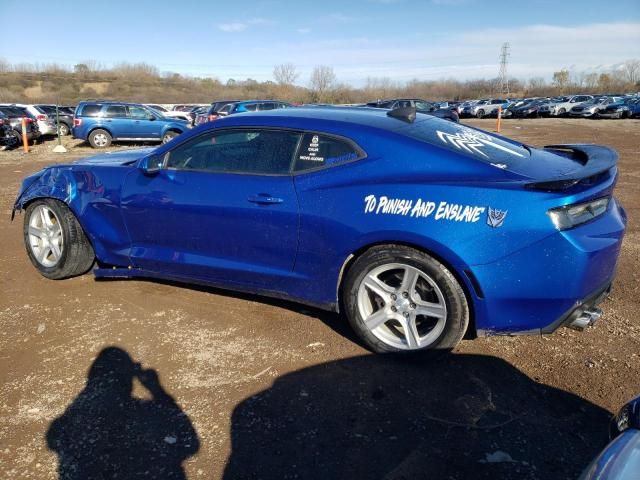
[[399, 299], [55, 241], [99, 138], [64, 129], [170, 135]]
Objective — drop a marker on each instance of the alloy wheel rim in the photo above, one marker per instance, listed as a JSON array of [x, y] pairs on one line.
[[45, 236], [100, 139], [402, 306]]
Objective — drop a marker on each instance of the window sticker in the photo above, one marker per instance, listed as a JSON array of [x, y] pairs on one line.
[[312, 151]]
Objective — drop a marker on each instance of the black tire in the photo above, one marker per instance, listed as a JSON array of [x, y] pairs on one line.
[[480, 113], [170, 135], [100, 138], [64, 129], [457, 313], [77, 254], [13, 139]]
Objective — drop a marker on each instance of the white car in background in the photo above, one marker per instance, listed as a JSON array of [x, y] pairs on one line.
[[558, 109], [485, 107], [169, 113]]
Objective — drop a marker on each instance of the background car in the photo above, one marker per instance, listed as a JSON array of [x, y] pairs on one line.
[[331, 207], [620, 459], [15, 114], [421, 106], [176, 114], [65, 117], [561, 106], [100, 123], [591, 108], [46, 125], [252, 106], [8, 137], [621, 108], [212, 112]]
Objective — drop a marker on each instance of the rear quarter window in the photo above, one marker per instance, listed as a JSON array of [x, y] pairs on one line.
[[90, 110], [317, 151], [468, 141]]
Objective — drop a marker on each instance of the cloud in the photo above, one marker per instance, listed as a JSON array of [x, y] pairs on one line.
[[234, 27], [536, 51]]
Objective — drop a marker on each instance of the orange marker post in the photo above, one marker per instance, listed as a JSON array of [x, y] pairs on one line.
[[25, 140], [499, 119]]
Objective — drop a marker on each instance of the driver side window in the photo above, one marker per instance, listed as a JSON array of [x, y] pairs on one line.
[[251, 151]]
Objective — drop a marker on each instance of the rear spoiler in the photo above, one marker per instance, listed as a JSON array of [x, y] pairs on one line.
[[596, 163]]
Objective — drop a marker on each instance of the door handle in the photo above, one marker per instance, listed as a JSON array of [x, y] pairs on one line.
[[264, 199]]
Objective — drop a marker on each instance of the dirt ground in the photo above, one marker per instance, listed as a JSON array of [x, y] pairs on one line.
[[207, 384]]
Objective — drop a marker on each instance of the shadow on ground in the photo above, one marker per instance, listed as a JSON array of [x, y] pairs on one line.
[[106, 433], [377, 417]]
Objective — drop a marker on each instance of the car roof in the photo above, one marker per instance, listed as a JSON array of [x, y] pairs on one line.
[[107, 102], [306, 116]]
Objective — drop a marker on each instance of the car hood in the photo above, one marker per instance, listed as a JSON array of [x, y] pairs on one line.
[[122, 157]]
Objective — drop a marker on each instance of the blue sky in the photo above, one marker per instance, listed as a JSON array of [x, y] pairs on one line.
[[398, 39]]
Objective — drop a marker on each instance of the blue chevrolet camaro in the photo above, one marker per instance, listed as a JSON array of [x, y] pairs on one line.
[[418, 229]]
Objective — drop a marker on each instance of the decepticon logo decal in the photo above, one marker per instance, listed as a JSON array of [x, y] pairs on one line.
[[472, 142], [495, 217]]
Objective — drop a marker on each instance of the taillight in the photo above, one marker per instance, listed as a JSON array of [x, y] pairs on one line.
[[77, 122], [1, 121], [28, 119], [41, 118]]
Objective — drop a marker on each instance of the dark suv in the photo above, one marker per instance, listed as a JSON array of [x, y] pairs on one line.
[[15, 115], [64, 115], [102, 122]]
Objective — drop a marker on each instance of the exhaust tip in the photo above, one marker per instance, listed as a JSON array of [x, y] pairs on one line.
[[585, 319]]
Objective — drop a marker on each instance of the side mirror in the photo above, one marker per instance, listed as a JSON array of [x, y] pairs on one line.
[[151, 165], [152, 117]]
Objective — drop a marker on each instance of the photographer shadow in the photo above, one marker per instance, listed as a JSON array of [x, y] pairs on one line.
[[106, 433]]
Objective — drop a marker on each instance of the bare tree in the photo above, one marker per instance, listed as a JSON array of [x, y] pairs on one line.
[[591, 80], [322, 80], [631, 71], [285, 74], [561, 79]]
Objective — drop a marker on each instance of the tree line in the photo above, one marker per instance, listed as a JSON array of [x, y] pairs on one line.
[[141, 82]]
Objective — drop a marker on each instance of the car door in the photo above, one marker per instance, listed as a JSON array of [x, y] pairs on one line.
[[222, 209], [143, 123], [117, 121]]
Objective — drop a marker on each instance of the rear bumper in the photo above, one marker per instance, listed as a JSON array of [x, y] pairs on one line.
[[550, 283]]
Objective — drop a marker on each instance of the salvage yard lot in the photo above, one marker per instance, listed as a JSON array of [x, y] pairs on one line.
[[277, 390]]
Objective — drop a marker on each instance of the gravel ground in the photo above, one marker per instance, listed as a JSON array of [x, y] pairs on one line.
[[128, 379]]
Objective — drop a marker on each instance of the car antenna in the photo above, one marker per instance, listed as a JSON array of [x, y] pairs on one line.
[[406, 114]]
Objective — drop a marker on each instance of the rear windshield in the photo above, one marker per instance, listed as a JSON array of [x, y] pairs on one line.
[[469, 141]]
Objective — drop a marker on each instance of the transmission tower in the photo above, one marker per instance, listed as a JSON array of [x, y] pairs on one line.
[[504, 60]]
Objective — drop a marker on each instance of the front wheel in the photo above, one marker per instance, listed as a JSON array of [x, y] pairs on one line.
[[480, 113], [55, 241], [399, 299]]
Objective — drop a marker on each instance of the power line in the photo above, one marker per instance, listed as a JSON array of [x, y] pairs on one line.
[[504, 60]]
